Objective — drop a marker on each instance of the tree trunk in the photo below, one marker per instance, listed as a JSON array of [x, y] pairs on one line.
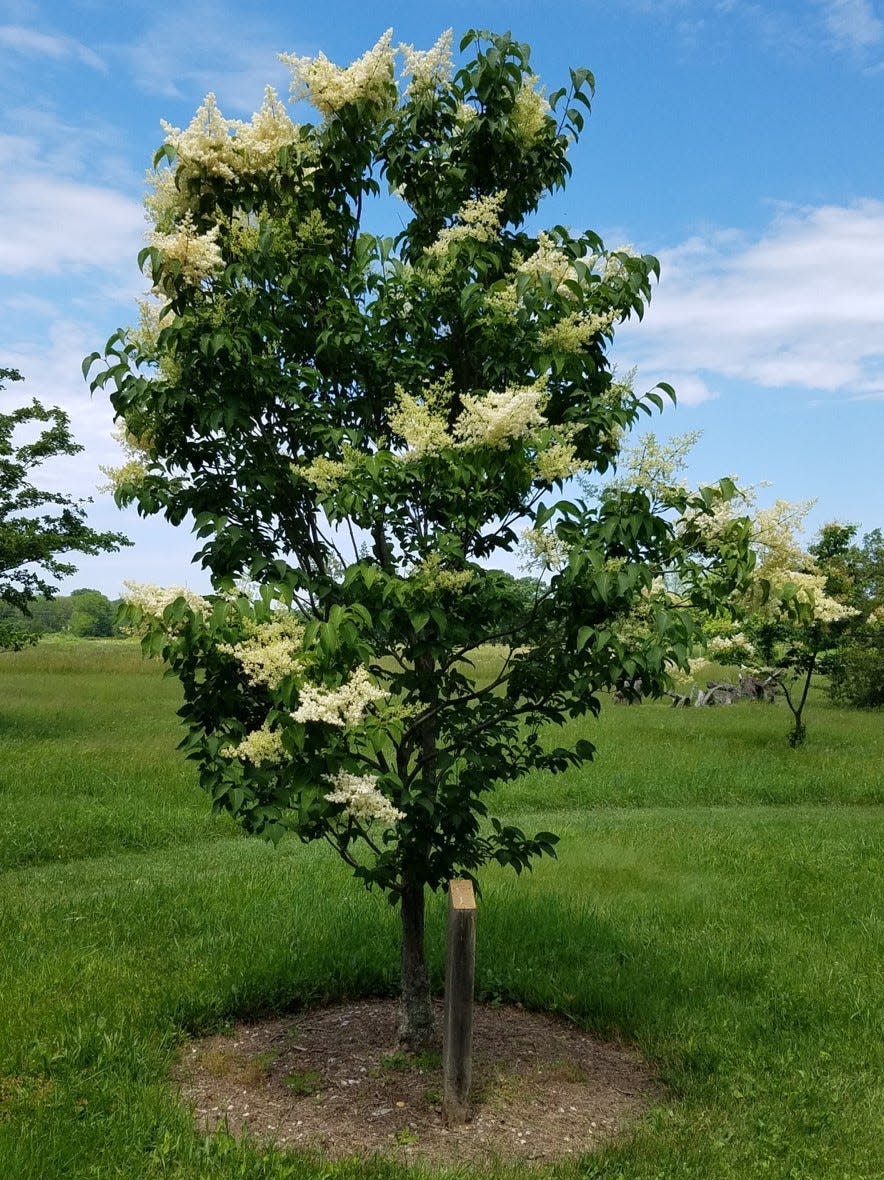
[[417, 1027]]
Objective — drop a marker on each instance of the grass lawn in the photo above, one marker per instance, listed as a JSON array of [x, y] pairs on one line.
[[717, 902]]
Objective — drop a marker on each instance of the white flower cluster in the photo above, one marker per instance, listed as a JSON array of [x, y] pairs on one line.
[[198, 255], [132, 472], [478, 221], [206, 141], [548, 262], [260, 141], [343, 707], [226, 148], [615, 267], [543, 550], [431, 577], [810, 588], [530, 112], [491, 419], [322, 473], [497, 418], [558, 460], [270, 652], [424, 432], [575, 331], [361, 798], [735, 645], [329, 87], [153, 600], [260, 747], [429, 68]]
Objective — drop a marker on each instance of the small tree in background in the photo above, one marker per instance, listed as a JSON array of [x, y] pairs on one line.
[[359, 425], [794, 615], [37, 527], [855, 576]]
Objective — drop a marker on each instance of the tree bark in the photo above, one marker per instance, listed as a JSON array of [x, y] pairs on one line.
[[417, 1027]]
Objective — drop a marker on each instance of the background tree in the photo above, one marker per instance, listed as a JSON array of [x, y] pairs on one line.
[[359, 425], [794, 614], [51, 616], [92, 616], [37, 527], [855, 575], [803, 610]]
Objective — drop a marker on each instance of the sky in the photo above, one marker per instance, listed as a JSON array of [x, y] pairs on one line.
[[740, 142]]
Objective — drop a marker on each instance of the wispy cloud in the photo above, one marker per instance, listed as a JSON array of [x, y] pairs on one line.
[[800, 307], [200, 54], [61, 224], [783, 27], [29, 42], [853, 24]]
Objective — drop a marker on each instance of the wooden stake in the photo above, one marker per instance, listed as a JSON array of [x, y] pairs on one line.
[[460, 966]]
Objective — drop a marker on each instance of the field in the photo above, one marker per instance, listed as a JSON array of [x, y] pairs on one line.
[[718, 901]]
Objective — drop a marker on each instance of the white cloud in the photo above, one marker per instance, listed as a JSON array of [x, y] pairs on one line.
[[59, 224], [32, 43], [802, 306], [200, 55], [852, 24]]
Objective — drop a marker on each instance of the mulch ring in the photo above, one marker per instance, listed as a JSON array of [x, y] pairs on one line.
[[332, 1080]]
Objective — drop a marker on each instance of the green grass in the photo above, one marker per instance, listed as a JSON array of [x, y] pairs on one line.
[[717, 902]]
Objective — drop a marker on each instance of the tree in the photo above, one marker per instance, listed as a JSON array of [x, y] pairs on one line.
[[855, 575], [800, 609], [358, 425], [93, 615], [32, 541], [794, 613]]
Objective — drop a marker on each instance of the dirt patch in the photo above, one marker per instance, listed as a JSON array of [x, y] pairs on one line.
[[332, 1080]]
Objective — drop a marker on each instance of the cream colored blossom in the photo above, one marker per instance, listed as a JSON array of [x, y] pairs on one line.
[[465, 114], [548, 262], [206, 141], [575, 331], [424, 430], [329, 87], [733, 646], [530, 112], [260, 747], [343, 707], [323, 474], [153, 600], [429, 68], [495, 419], [432, 577], [270, 650], [361, 798], [557, 461], [810, 589], [615, 267], [502, 303], [198, 255], [132, 472], [153, 316], [543, 549], [774, 535], [259, 142], [478, 220], [165, 201]]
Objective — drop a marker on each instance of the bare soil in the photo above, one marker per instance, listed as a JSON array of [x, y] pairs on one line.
[[332, 1080]]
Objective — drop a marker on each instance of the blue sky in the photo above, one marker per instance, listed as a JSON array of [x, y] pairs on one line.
[[740, 142]]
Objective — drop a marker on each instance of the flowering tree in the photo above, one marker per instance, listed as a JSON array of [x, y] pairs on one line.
[[794, 611], [358, 425], [37, 528]]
